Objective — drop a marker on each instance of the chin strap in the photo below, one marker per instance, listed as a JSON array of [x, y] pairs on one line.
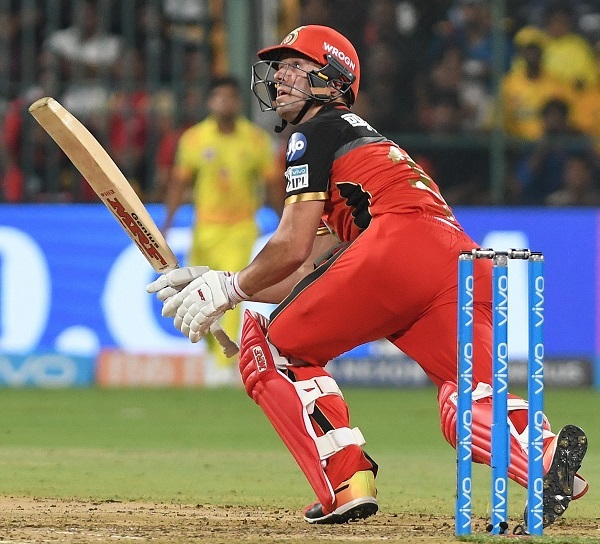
[[297, 119], [279, 129]]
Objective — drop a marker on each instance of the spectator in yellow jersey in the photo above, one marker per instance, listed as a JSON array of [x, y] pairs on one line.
[[568, 55], [528, 86], [586, 111], [586, 107], [229, 164]]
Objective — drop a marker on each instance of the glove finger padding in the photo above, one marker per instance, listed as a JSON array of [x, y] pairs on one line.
[[169, 286], [173, 303], [203, 301], [204, 329], [215, 294], [176, 278], [167, 292]]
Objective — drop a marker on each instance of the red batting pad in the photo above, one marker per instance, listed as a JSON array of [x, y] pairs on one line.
[[277, 397], [481, 437]]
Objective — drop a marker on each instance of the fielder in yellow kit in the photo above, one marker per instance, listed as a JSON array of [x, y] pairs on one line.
[[229, 164]]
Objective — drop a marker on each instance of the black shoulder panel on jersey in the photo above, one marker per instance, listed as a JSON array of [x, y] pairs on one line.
[[315, 144], [359, 142]]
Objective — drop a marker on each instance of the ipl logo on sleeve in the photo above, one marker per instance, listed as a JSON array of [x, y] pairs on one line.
[[296, 147], [297, 177]]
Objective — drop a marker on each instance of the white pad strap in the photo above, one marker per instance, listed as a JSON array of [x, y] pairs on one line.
[[337, 439], [523, 437], [315, 388], [484, 390]]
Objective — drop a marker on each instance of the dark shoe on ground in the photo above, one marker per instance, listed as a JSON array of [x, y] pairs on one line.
[[565, 454], [355, 499]]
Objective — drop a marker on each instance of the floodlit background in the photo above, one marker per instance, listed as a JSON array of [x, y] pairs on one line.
[[448, 80], [101, 399]]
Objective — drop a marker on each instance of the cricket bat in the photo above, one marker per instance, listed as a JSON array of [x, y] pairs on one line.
[[109, 183]]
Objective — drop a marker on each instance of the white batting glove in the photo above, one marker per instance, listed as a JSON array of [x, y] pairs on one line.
[[204, 301], [169, 286]]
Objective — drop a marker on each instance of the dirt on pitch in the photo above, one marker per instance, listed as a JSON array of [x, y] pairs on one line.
[[35, 521]]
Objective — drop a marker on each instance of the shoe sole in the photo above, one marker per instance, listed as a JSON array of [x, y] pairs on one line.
[[352, 511], [571, 445]]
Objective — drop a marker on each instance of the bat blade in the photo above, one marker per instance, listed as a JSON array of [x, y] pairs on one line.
[[109, 183], [105, 178]]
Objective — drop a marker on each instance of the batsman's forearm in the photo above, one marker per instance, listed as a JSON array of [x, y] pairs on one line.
[[277, 267], [269, 285], [276, 293], [270, 272]]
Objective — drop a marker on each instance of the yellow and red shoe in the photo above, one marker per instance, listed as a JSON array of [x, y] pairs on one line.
[[355, 499]]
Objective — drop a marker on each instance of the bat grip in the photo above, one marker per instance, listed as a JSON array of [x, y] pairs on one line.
[[230, 348]]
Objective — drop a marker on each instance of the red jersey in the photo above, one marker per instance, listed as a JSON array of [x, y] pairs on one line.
[[338, 157]]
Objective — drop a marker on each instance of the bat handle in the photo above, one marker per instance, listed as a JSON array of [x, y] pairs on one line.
[[230, 348]]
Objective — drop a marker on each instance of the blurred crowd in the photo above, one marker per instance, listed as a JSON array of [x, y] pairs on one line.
[[440, 77]]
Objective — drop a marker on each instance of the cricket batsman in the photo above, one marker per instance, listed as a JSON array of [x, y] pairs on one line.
[[367, 248]]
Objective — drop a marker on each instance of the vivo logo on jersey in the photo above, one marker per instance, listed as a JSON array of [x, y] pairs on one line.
[[297, 177], [296, 147], [332, 50], [356, 121]]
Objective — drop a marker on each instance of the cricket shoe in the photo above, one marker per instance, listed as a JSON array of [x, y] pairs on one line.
[[562, 458], [355, 499]]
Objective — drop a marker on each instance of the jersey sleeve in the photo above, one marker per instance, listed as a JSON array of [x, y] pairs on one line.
[[187, 151], [309, 159], [266, 162]]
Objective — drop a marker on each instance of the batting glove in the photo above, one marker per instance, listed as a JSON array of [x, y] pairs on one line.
[[204, 301], [169, 286]]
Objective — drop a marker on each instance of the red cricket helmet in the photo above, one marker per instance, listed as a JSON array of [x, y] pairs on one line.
[[323, 45]]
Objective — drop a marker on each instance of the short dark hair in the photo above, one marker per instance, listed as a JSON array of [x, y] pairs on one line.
[[585, 156], [557, 105], [446, 97], [559, 7], [224, 81]]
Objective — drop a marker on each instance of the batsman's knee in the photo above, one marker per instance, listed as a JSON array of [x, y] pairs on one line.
[[289, 396], [258, 357]]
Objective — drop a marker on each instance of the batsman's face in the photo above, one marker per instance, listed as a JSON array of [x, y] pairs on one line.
[[292, 85]]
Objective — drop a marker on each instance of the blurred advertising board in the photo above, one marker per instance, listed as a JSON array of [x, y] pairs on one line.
[[72, 283]]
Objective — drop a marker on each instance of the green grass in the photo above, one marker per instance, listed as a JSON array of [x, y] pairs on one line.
[[216, 447]]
